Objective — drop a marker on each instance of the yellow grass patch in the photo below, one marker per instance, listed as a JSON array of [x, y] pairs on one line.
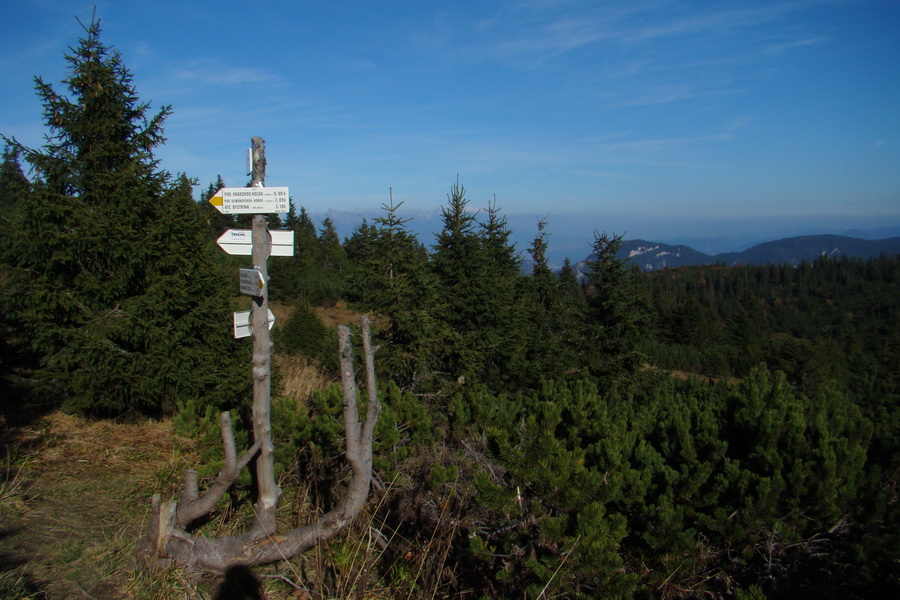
[[339, 314], [299, 377]]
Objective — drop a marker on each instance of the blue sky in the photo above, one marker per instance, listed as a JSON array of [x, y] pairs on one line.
[[657, 119]]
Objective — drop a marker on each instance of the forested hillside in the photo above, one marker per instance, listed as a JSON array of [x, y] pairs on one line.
[[652, 256], [701, 432]]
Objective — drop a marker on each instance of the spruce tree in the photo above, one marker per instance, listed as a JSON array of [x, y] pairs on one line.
[[14, 188], [315, 273], [458, 265], [291, 219], [403, 293], [551, 339], [618, 311], [480, 288], [110, 280], [13, 182], [749, 332], [362, 274], [333, 254], [573, 314], [504, 314]]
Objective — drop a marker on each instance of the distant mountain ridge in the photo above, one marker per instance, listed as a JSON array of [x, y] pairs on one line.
[[653, 256]]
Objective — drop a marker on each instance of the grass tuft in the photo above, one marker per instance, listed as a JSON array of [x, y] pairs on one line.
[[300, 377]]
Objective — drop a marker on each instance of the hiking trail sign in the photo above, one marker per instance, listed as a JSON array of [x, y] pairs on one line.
[[240, 242], [252, 282], [242, 323], [251, 200]]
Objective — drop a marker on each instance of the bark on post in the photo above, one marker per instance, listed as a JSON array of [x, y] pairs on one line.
[[268, 492], [267, 488]]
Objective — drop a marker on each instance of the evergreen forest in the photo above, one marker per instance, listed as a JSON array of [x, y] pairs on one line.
[[709, 431]]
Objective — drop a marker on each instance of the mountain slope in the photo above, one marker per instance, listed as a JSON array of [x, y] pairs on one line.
[[653, 256], [810, 247]]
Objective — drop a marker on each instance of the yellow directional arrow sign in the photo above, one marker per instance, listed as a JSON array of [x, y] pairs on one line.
[[251, 200]]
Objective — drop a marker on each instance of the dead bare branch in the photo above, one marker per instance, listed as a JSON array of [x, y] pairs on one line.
[[192, 507], [167, 537]]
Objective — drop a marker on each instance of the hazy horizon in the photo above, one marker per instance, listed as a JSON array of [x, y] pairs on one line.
[[570, 236]]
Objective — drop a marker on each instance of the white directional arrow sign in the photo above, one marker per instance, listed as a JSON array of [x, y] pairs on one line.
[[242, 323], [251, 200], [240, 242]]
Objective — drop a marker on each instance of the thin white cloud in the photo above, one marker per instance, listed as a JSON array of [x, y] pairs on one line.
[[209, 72], [552, 39], [536, 32], [667, 143], [674, 92], [709, 21], [785, 46]]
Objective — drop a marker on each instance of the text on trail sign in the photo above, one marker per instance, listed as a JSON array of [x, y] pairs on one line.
[[251, 200], [252, 282], [240, 242]]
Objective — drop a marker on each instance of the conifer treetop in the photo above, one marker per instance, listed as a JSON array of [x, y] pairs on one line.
[[100, 127]]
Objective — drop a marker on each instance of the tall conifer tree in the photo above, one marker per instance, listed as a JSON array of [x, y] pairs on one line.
[[503, 309], [402, 290], [479, 291], [315, 273], [552, 340], [458, 265], [13, 183], [14, 188], [618, 311], [111, 282]]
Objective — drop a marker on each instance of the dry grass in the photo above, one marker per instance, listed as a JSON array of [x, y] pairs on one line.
[[12, 487], [339, 314], [74, 508], [79, 503], [686, 375], [300, 378], [331, 316], [74, 501]]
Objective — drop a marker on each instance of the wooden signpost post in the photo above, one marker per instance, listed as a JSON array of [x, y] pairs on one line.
[[168, 534], [254, 283]]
